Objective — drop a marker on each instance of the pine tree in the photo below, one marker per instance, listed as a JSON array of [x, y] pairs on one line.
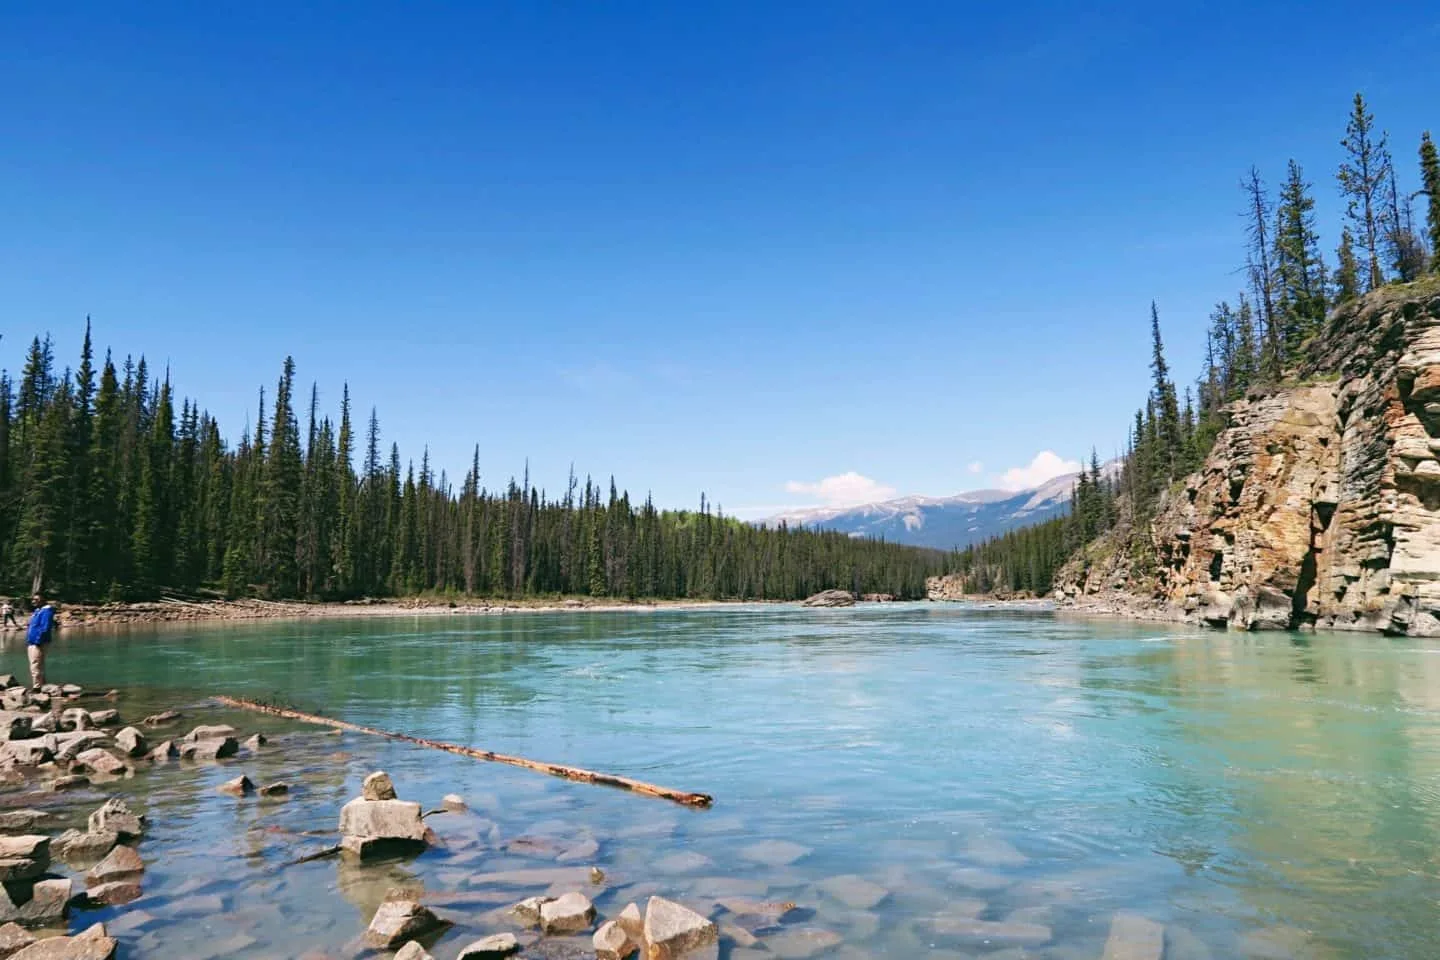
[[1299, 270], [1430, 187], [1362, 178], [1166, 402]]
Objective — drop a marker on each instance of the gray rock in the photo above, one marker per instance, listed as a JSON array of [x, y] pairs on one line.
[[15, 698], [97, 760], [116, 816], [120, 862], [71, 689], [831, 598], [131, 742], [165, 750], [254, 743], [12, 820], [113, 893], [241, 786], [44, 723], [210, 748], [14, 725], [571, 913], [70, 745], [672, 930], [377, 786], [73, 845], [212, 732], [28, 753], [76, 718], [1133, 937], [160, 719], [277, 789], [105, 718], [397, 821], [527, 911], [454, 803], [490, 948], [398, 921], [73, 781]]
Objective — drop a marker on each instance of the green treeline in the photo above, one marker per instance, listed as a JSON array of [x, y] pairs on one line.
[[108, 491], [1252, 342]]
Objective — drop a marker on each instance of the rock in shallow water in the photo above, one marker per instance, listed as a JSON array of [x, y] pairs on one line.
[[49, 904], [241, 786], [611, 942], [490, 948], [412, 951], [1133, 937], [120, 862], [672, 930], [571, 913], [113, 894], [131, 742], [116, 816], [377, 786], [398, 921], [92, 944]]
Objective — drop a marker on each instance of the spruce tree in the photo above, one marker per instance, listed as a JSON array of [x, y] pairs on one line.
[[1299, 269], [1362, 178], [1259, 255], [1347, 269], [1430, 187]]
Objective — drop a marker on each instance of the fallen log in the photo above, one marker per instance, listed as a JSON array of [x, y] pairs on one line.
[[553, 769]]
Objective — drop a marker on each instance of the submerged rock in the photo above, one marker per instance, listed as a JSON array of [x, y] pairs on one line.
[[1133, 937], [454, 803], [398, 921], [855, 892], [490, 948], [672, 930]]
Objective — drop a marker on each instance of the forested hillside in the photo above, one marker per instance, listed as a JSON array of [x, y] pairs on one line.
[[1254, 344], [111, 488]]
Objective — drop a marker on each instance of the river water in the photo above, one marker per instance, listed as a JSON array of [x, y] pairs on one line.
[[1257, 795]]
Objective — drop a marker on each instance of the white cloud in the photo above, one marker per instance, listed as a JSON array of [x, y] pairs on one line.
[[976, 467], [845, 490], [1047, 465]]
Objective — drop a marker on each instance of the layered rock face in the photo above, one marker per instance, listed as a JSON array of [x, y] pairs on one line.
[[1319, 505]]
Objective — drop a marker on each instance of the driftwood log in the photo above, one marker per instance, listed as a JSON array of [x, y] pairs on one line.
[[553, 769]]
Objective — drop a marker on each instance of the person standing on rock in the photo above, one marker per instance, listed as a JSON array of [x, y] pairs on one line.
[[37, 637]]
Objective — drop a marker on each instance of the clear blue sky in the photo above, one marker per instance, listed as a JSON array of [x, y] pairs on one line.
[[726, 247]]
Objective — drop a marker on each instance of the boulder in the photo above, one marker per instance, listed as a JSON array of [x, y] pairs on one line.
[[92, 944], [570, 913], [277, 789], [73, 845], [48, 905], [611, 942], [14, 938], [27, 753], [120, 862], [24, 857], [166, 750], [131, 742], [398, 921], [218, 731], [241, 786], [96, 760], [160, 719], [377, 786], [13, 820], [412, 951], [14, 725], [210, 748], [115, 816], [373, 827], [672, 930], [113, 893], [831, 598], [105, 718], [490, 948]]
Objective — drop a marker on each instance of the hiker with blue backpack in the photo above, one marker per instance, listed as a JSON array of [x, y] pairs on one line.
[[37, 638]]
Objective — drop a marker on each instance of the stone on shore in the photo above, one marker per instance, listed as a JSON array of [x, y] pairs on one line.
[[116, 816], [120, 862], [378, 786], [412, 951], [70, 745], [131, 742], [210, 748], [49, 904], [672, 930], [24, 857], [14, 938], [1133, 937], [97, 760], [398, 921], [490, 948], [611, 942], [44, 723], [28, 753], [13, 725], [241, 786], [92, 944], [217, 731], [831, 598], [571, 913]]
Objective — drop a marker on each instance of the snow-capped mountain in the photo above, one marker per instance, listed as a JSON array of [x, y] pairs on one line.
[[942, 522]]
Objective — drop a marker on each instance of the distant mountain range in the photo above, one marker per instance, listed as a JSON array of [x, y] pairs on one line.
[[943, 522]]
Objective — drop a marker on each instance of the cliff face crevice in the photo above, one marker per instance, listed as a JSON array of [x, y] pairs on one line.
[[1319, 504]]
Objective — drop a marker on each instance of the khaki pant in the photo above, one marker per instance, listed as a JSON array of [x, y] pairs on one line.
[[37, 665]]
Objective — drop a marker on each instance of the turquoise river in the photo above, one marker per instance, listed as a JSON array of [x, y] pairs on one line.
[[1264, 795]]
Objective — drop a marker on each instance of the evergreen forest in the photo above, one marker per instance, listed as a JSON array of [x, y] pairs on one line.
[[112, 490], [1253, 342]]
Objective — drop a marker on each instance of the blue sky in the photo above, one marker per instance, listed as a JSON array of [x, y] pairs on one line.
[[737, 248]]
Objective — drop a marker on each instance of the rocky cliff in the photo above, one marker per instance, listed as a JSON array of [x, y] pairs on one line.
[[1319, 504]]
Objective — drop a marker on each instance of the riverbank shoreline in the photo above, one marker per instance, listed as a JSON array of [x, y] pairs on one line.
[[83, 616]]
